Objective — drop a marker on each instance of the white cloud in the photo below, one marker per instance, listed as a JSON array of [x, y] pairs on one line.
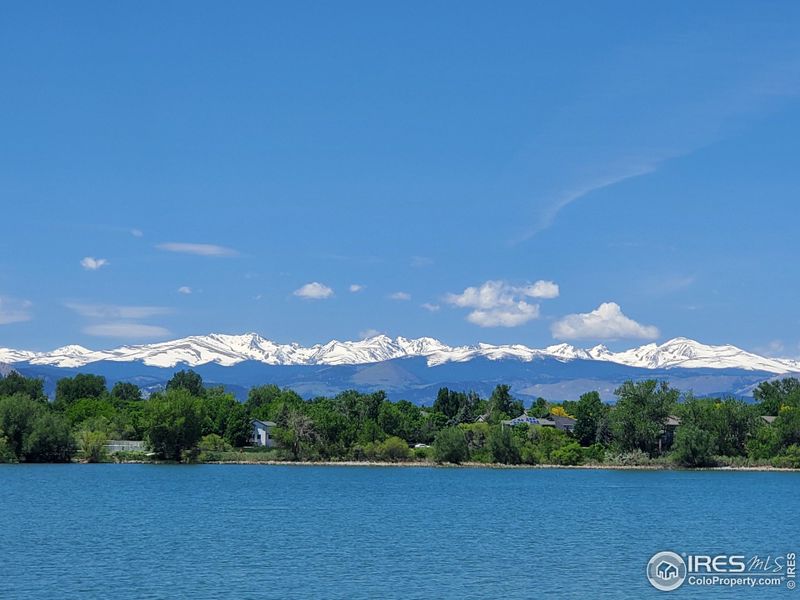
[[512, 315], [314, 291], [185, 289], [356, 287], [501, 304], [13, 310], [197, 249], [606, 322], [92, 264], [137, 232], [402, 296], [430, 307], [368, 333], [114, 311], [126, 330]]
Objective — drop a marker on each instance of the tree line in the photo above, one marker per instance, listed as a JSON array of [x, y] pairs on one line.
[[651, 422]]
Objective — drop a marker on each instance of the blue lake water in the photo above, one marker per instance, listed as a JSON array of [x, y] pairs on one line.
[[208, 531]]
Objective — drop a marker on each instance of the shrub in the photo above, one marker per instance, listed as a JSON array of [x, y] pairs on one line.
[[596, 453], [789, 459], [92, 446], [423, 453], [450, 446], [214, 443], [503, 447], [694, 447], [568, 454], [635, 458], [50, 440], [394, 449]]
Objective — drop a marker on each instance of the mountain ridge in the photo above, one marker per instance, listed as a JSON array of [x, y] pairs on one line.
[[229, 350]]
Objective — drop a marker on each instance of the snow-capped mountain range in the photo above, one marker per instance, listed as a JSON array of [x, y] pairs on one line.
[[228, 350]]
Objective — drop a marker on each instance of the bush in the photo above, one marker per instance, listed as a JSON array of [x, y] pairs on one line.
[[92, 446], [450, 445], [694, 447], [569, 454], [394, 449], [636, 458], [50, 440], [213, 443], [503, 447], [423, 453], [131, 456], [789, 459], [596, 453], [6, 455]]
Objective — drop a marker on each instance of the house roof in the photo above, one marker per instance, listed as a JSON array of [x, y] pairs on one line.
[[264, 423], [524, 418], [768, 419], [562, 420], [672, 421]]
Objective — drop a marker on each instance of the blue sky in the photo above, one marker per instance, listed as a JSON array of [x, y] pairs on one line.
[[596, 172]]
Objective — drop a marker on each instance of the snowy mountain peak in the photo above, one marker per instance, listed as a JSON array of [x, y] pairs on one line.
[[227, 350]]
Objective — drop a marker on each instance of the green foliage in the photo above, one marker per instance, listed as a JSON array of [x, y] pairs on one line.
[[50, 439], [772, 395], [638, 418], [126, 392], [729, 422], [18, 414], [394, 449], [187, 380], [591, 417], [14, 383], [86, 409], [539, 409], [458, 407], [173, 423], [6, 455], [789, 458], [570, 453], [502, 405], [91, 445], [299, 435], [71, 389], [694, 447], [596, 453], [450, 446], [503, 447], [238, 426], [543, 443]]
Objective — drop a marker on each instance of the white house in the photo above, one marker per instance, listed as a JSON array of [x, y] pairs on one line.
[[262, 431]]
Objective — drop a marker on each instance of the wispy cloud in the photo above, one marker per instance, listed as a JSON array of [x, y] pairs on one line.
[[502, 304], [368, 333], [430, 307], [606, 322], [13, 310], [185, 289], [356, 287], [314, 291], [198, 249], [92, 264], [419, 262], [116, 311], [137, 232], [400, 296], [126, 330]]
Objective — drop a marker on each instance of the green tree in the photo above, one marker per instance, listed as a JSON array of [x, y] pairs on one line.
[[50, 439], [540, 408], [238, 426], [71, 389], [502, 446], [187, 380], [18, 414], [570, 453], [14, 383], [124, 391], [395, 449], [694, 447], [502, 405], [638, 419], [92, 445], [590, 415], [772, 395], [450, 446], [173, 423]]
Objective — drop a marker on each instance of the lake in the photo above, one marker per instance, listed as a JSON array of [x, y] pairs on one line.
[[246, 531]]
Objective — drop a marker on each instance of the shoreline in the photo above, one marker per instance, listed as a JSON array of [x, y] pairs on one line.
[[473, 465]]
